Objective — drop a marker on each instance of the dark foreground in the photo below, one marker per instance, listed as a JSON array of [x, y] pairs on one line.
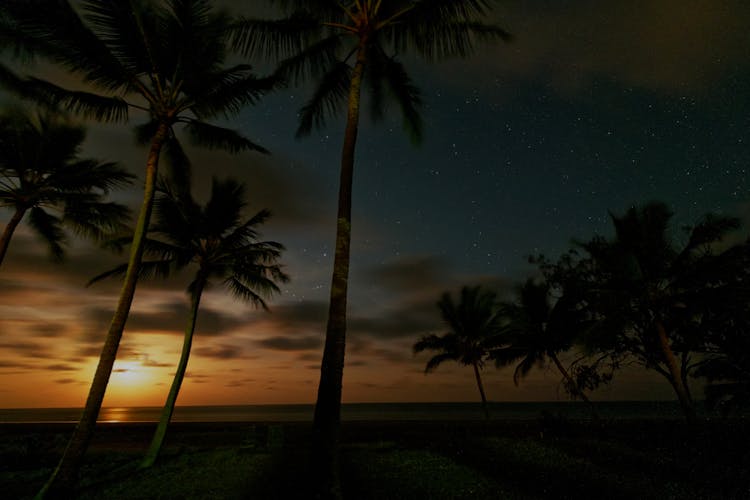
[[545, 458]]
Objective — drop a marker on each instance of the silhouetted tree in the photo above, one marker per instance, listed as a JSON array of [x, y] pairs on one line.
[[538, 330], [474, 330], [724, 323], [345, 45], [651, 295], [164, 58], [42, 174], [223, 246]]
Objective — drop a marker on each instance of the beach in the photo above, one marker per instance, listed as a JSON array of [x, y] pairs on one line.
[[546, 457]]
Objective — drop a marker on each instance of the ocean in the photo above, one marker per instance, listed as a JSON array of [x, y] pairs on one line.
[[355, 412]]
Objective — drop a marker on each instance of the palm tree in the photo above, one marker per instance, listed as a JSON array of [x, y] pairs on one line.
[[164, 59], [654, 297], [223, 246], [345, 45], [42, 174], [474, 331], [538, 331]]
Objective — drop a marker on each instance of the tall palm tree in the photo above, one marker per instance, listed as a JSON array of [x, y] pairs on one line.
[[474, 331], [538, 331], [345, 45], [223, 246], [42, 174], [654, 295], [165, 59]]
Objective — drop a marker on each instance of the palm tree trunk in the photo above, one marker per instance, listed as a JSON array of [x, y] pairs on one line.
[[481, 391], [574, 385], [62, 481], [675, 373], [166, 414], [8, 232], [327, 419]]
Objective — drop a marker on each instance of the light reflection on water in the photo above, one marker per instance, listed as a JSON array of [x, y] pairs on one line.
[[352, 412]]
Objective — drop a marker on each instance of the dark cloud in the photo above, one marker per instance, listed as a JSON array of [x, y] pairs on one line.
[[50, 330], [170, 317], [408, 274], [220, 351], [291, 343], [66, 381], [61, 367], [27, 349], [571, 45], [287, 188], [16, 365], [298, 316]]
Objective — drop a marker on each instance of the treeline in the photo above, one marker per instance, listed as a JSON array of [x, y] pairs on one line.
[[677, 306]]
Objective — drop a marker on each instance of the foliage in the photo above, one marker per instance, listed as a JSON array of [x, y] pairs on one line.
[[652, 300], [474, 328], [42, 174], [324, 39]]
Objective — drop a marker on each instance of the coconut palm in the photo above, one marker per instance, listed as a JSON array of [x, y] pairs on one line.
[[474, 331], [656, 297], [222, 246], [43, 175], [538, 331], [345, 45], [165, 59]]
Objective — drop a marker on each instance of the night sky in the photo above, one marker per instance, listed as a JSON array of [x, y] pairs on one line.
[[594, 107]]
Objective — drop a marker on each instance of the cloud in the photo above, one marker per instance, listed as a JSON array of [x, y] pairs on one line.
[[409, 274], [16, 365], [27, 349], [67, 380], [167, 317], [291, 343], [61, 367], [220, 351], [677, 46]]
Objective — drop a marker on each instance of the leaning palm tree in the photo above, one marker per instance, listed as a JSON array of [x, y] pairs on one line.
[[474, 331], [43, 175], [221, 245], [345, 45], [165, 59], [538, 331]]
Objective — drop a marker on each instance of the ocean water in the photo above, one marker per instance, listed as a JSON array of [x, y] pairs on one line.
[[355, 412]]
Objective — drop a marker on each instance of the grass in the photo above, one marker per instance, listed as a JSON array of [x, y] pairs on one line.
[[391, 460]]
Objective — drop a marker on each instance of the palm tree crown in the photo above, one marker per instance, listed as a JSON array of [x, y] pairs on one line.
[[42, 174], [336, 43], [221, 245], [474, 331], [213, 238], [164, 58]]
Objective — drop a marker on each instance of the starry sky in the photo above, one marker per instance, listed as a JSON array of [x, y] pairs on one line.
[[594, 107]]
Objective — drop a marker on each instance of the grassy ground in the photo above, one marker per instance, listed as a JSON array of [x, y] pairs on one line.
[[389, 460]]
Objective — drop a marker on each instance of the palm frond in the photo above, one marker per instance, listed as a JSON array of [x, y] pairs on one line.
[[89, 217], [229, 91], [407, 96], [86, 104], [327, 100], [275, 39], [215, 137], [48, 227], [244, 293], [438, 359], [178, 168], [312, 62], [120, 25]]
